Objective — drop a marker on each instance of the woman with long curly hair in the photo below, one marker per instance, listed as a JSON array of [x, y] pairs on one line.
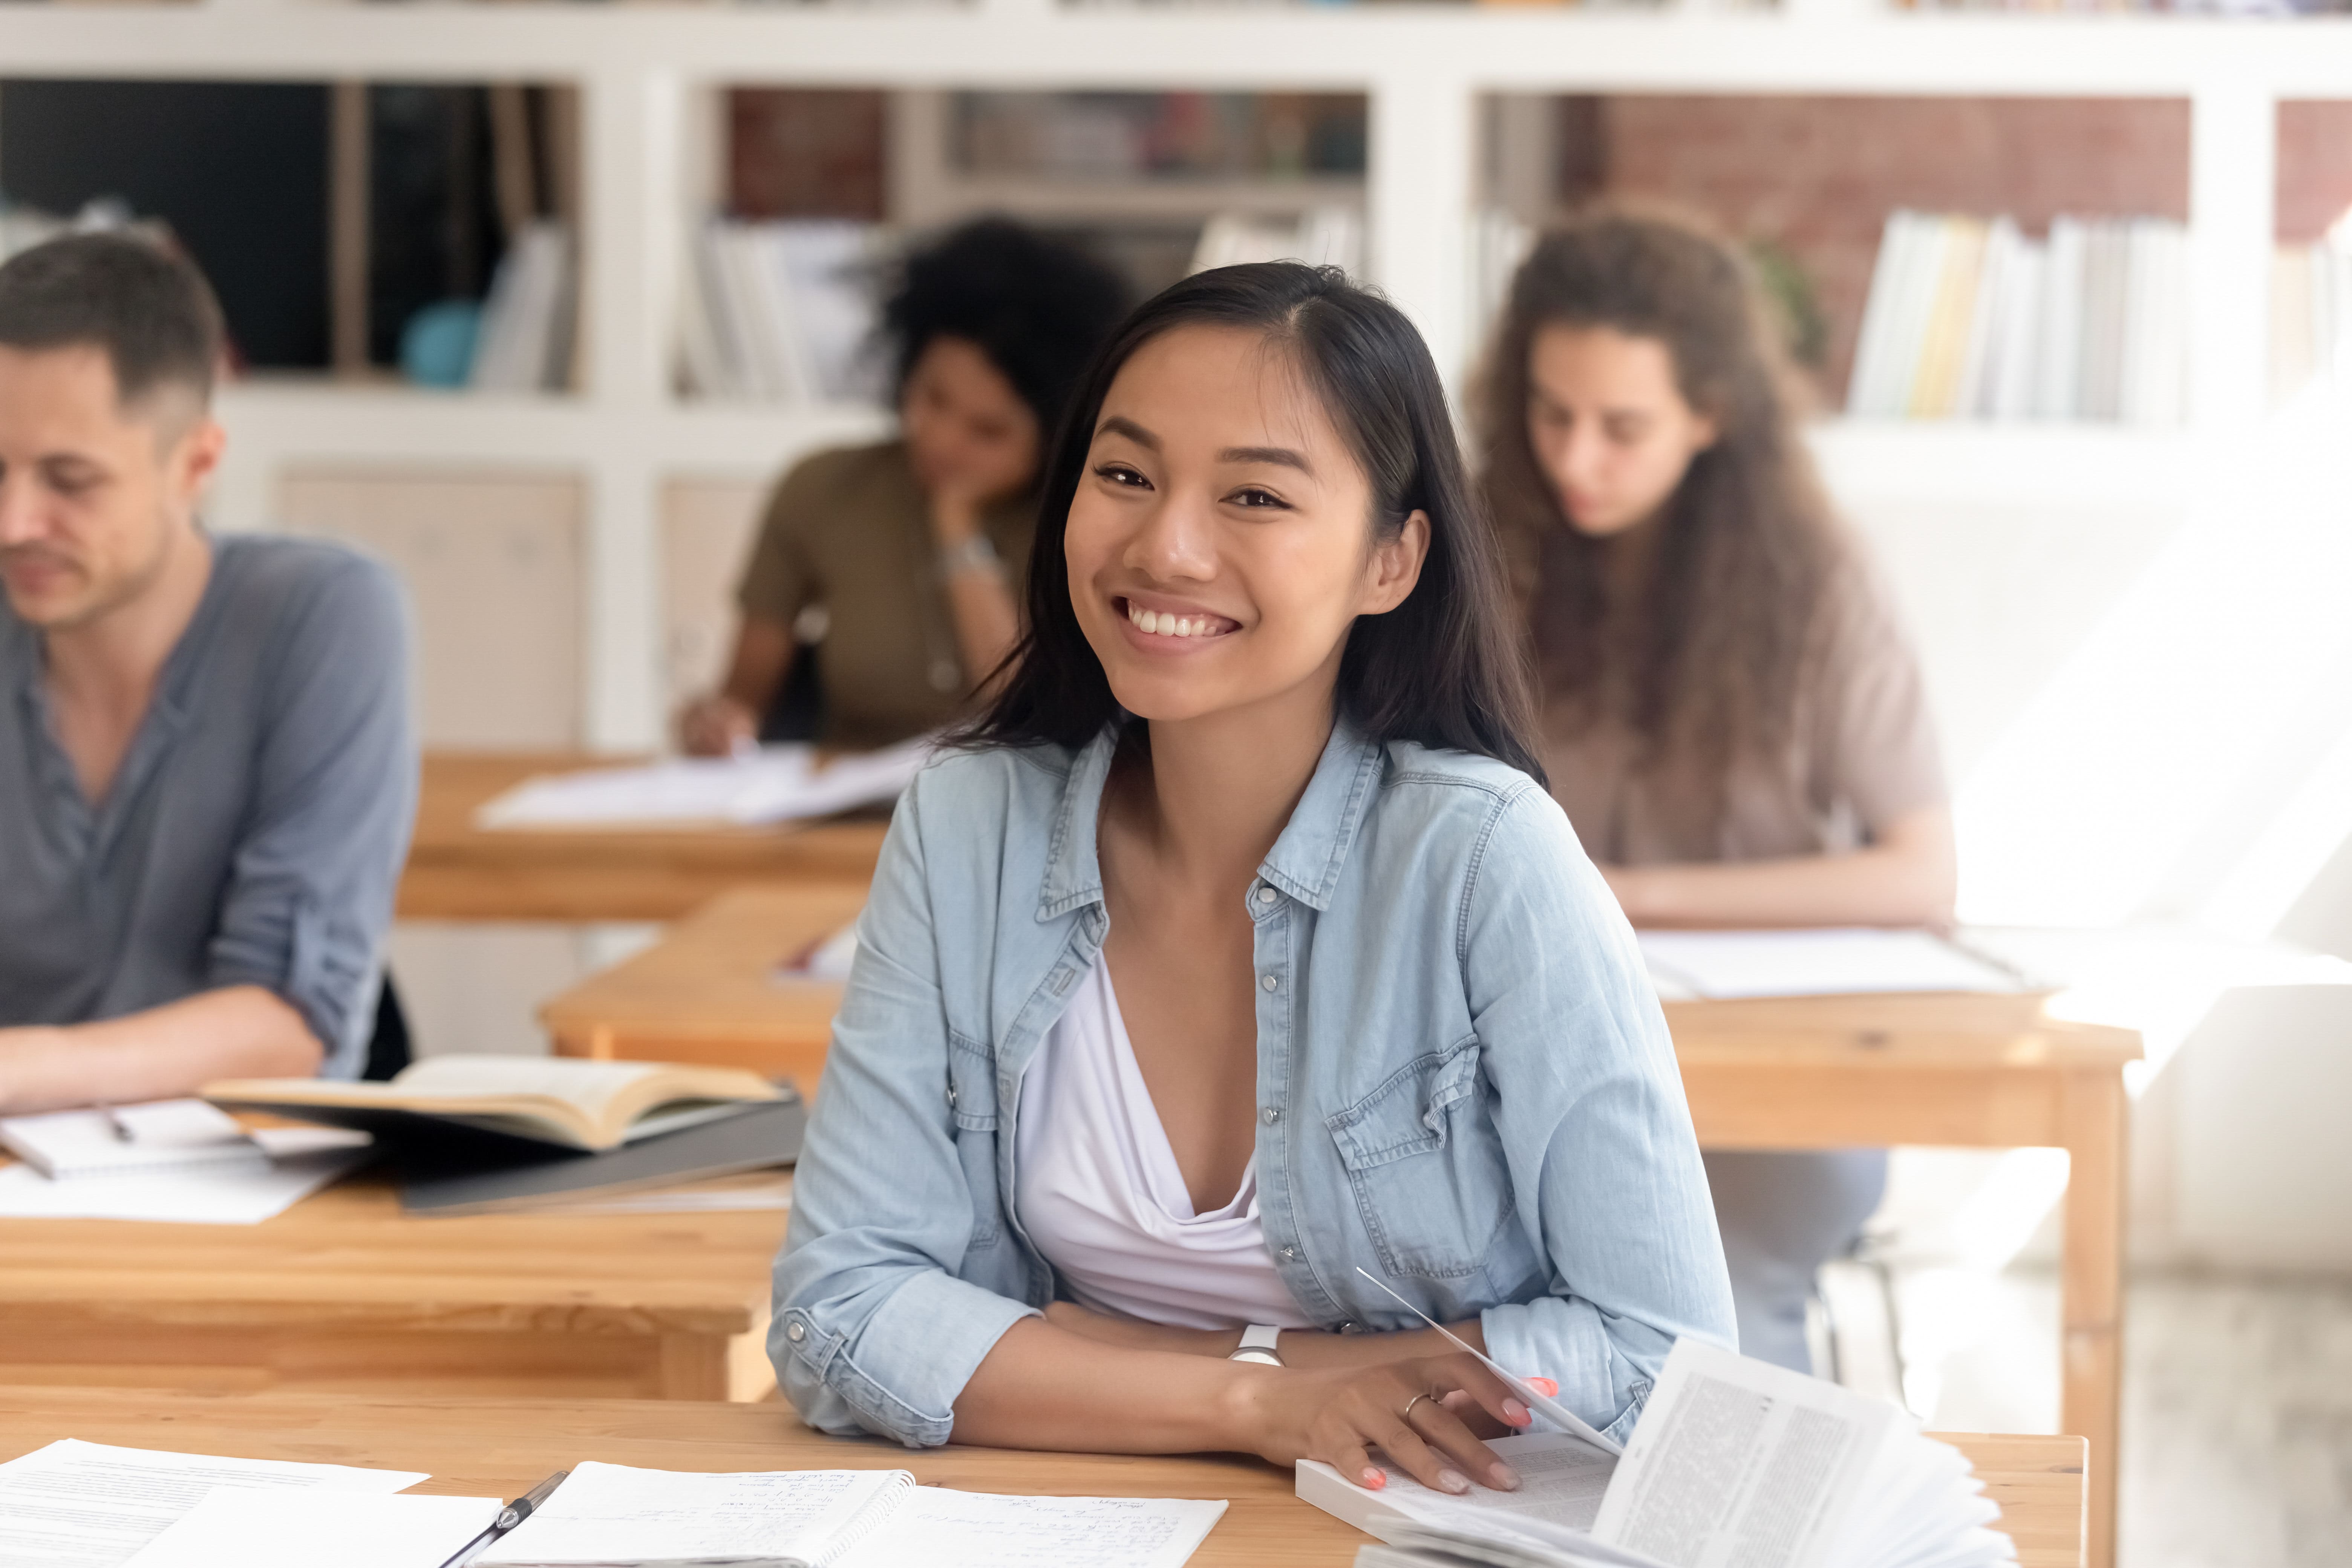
[[1732, 717]]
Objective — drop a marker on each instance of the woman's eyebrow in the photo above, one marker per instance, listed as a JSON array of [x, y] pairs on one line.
[[1121, 425], [1282, 457]]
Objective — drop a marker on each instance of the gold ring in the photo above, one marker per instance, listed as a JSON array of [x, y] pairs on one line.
[[1411, 1403]]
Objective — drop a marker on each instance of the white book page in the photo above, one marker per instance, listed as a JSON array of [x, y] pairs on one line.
[[240, 1528], [245, 1192], [933, 1527], [91, 1505], [1736, 1461], [619, 1514]]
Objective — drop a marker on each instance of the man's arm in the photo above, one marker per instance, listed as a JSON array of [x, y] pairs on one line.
[[240, 1031]]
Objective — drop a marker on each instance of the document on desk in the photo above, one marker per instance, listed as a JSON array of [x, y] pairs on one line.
[[91, 1505], [301, 1161], [1724, 965], [614, 1515], [236, 1527], [774, 783]]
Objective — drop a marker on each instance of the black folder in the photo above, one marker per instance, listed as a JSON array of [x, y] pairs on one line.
[[762, 1134]]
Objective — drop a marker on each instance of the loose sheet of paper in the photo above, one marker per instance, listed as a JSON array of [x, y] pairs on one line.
[[304, 1159], [776, 784], [240, 1528], [89, 1505], [933, 1526], [617, 1513], [163, 1132], [1722, 965]]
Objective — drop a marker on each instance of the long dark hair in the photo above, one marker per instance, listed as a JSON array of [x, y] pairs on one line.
[[1708, 669], [1445, 666]]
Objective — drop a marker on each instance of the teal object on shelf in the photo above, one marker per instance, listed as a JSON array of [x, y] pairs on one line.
[[436, 347]]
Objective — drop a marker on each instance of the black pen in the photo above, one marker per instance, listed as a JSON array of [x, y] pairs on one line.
[[514, 1513]]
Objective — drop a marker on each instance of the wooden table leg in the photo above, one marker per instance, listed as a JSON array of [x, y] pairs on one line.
[[2092, 1114]]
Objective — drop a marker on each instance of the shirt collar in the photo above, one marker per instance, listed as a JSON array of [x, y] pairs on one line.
[[1305, 861]]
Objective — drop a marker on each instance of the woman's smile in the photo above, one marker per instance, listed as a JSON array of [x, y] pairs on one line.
[[1175, 624]]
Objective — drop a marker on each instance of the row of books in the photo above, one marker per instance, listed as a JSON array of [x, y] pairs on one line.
[[1969, 318], [1229, 135], [782, 311], [1325, 236], [2311, 315]]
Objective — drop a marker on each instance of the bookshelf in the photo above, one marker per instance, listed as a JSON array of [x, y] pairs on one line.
[[645, 77]]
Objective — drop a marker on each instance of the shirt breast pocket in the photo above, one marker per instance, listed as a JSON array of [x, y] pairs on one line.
[[971, 1104], [1428, 1171]]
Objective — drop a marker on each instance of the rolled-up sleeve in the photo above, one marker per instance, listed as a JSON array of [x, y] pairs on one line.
[[311, 888], [874, 1328], [1604, 1162]]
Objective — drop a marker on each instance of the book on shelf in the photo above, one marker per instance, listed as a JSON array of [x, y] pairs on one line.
[[1970, 317], [1320, 236], [547, 1101], [1733, 1461], [524, 342], [782, 311]]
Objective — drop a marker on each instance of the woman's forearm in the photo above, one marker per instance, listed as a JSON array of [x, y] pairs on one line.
[[1907, 878], [239, 1031], [1297, 1347], [1043, 1386]]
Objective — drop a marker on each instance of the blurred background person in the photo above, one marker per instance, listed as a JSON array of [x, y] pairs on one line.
[[1732, 716], [913, 548]]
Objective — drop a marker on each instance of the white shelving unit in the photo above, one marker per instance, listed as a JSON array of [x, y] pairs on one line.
[[643, 73]]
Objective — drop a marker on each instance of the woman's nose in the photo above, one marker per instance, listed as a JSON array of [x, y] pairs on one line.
[[1176, 539]]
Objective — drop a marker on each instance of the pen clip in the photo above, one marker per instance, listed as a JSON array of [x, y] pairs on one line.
[[1550, 1409]]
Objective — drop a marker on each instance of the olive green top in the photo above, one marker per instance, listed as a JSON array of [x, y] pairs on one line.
[[849, 530]]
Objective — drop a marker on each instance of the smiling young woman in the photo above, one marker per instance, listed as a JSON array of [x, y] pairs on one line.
[[1238, 947]]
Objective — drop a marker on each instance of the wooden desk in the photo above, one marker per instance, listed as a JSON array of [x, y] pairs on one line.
[[1805, 1073], [486, 1448], [457, 872], [342, 1292]]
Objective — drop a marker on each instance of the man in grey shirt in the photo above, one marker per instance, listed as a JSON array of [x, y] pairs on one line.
[[207, 772]]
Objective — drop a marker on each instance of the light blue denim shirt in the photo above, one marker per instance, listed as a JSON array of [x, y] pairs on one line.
[[1464, 1085]]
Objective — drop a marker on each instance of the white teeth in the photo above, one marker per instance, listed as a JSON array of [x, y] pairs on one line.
[[1161, 623], [1185, 627]]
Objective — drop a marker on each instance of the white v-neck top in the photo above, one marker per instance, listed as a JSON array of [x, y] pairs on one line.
[[1098, 1188]]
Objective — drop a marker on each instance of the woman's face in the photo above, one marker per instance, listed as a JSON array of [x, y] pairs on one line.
[[1608, 426], [1220, 545], [967, 429]]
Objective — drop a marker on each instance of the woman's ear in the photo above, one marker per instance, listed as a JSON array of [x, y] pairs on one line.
[[1395, 566]]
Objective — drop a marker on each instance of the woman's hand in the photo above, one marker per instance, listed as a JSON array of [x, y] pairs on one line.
[[714, 726], [1400, 1408]]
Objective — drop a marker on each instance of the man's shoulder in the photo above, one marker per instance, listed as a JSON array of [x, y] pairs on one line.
[[289, 572]]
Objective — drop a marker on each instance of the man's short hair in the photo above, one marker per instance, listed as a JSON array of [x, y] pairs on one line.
[[150, 310]]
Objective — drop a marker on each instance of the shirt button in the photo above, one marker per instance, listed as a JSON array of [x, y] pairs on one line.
[[1266, 895], [1270, 1115], [1268, 982], [1290, 1254], [795, 1332], [951, 1094]]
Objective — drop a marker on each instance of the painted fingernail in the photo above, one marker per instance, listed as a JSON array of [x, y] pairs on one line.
[[1544, 1387], [1517, 1413], [1374, 1479], [1502, 1478], [1454, 1480]]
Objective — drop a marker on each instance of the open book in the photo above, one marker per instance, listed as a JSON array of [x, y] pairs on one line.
[[556, 1101], [1734, 1461], [608, 1516]]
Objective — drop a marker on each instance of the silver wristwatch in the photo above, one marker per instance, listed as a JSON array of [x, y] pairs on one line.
[[1257, 1345]]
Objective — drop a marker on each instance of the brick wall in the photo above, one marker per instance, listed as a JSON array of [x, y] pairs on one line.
[[1817, 176]]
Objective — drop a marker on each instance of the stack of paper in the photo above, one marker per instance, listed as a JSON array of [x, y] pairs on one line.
[[782, 311], [525, 342], [777, 784], [88, 1505], [1720, 966], [177, 1161]]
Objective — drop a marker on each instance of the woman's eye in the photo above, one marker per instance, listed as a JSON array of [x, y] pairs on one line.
[[1254, 497], [1121, 474]]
